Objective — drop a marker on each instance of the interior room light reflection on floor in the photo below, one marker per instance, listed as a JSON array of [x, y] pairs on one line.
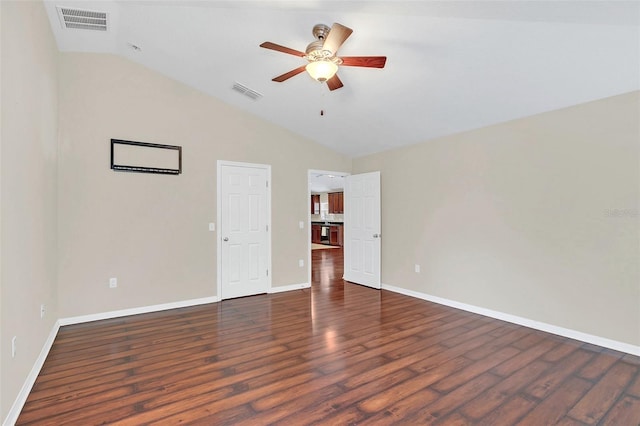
[[330, 338]]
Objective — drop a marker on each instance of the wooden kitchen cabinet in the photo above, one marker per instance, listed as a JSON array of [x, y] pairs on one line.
[[333, 202], [315, 204], [316, 234], [336, 202], [335, 235]]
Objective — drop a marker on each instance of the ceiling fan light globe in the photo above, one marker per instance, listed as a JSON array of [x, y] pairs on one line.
[[321, 70]]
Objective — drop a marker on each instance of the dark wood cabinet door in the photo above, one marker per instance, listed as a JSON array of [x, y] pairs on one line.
[[333, 235], [336, 202], [315, 204], [316, 234]]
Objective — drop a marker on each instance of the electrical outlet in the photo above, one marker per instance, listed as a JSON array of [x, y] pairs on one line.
[[42, 311], [14, 346], [417, 268], [300, 263], [113, 282]]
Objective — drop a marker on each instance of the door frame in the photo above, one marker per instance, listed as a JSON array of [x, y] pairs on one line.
[[309, 173], [219, 237]]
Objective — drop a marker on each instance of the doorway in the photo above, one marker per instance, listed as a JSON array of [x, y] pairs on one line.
[[360, 223], [244, 241], [325, 225]]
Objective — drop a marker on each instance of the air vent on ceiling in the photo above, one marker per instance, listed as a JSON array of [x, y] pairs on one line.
[[249, 93], [82, 19]]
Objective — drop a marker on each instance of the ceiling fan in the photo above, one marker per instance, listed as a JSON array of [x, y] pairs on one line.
[[321, 55]]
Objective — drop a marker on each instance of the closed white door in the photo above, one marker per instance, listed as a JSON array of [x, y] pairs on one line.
[[362, 229], [244, 248]]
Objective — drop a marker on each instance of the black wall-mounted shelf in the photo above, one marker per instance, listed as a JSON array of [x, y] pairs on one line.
[[141, 167]]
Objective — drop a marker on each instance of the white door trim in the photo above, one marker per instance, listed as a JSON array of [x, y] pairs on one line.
[[219, 165]]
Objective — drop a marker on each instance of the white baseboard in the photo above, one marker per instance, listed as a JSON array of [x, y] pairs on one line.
[[526, 322], [283, 288], [135, 311], [16, 408]]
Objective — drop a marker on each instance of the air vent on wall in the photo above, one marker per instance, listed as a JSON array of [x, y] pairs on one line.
[[246, 91], [82, 19]]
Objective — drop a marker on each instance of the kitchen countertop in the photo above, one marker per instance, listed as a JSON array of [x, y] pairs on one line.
[[327, 223]]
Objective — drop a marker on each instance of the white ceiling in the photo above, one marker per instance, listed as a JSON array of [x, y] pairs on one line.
[[452, 65], [326, 181]]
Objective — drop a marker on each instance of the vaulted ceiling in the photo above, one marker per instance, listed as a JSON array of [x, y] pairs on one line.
[[452, 65]]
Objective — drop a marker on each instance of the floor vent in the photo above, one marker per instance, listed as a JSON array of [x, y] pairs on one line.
[[82, 19], [249, 93]]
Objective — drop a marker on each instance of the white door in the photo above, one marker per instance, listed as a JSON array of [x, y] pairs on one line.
[[244, 244], [362, 229]]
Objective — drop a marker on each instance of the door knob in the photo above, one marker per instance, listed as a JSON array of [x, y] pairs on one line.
[[225, 239]]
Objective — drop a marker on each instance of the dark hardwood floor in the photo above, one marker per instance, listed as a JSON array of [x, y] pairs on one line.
[[336, 354]]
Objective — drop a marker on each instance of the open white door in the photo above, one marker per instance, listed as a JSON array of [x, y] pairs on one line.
[[362, 229], [244, 247]]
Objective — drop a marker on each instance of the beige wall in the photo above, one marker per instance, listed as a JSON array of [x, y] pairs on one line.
[[28, 190], [150, 231], [519, 217]]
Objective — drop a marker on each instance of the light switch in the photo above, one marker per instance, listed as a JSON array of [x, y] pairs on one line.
[[301, 224], [212, 226]]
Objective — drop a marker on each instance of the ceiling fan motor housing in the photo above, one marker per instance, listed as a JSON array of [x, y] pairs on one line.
[[315, 46], [315, 51], [320, 31]]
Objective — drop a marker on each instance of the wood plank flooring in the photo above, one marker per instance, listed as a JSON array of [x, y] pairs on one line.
[[336, 354]]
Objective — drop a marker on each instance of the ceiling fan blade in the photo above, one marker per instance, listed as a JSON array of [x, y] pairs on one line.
[[337, 35], [364, 61], [289, 74], [334, 82], [283, 49]]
